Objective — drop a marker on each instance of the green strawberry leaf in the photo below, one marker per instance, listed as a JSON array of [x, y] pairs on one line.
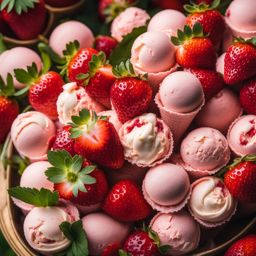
[[19, 6], [2, 45], [123, 253]]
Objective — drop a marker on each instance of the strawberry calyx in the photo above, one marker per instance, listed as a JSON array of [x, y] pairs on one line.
[[122, 252], [7, 89], [188, 33], [69, 169], [19, 6], [251, 41], [202, 7]]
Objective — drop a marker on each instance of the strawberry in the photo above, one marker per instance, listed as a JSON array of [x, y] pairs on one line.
[[76, 179], [194, 49], [240, 61], [26, 18], [167, 4], [248, 97], [125, 202], [43, 88], [9, 108], [204, 1], [98, 79], [112, 249], [105, 44], [3, 26], [240, 178], [243, 247], [61, 3], [211, 20], [130, 95], [211, 81], [62, 140], [97, 140]]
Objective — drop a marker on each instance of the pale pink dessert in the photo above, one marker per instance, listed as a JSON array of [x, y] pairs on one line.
[[220, 111], [102, 230], [220, 63], [68, 32], [31, 133], [242, 135], [127, 20], [34, 177], [153, 53], [18, 57], [42, 231], [211, 203], [147, 140], [167, 21], [72, 100], [204, 151], [178, 230], [112, 118], [166, 187]]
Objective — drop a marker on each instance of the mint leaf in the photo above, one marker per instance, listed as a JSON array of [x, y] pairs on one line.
[[39, 198]]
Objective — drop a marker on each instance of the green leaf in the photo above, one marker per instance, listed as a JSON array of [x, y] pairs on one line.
[[197, 29], [2, 44], [38, 198], [86, 179], [55, 175], [164, 249], [25, 77], [19, 6], [57, 158], [88, 169], [77, 163], [82, 76], [123, 253], [22, 92]]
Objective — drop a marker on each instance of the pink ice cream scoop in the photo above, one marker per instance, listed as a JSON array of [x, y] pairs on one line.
[[178, 230], [102, 230], [204, 149], [242, 135], [167, 21], [220, 111], [42, 231], [68, 32], [31, 133], [147, 140], [166, 187], [112, 118], [72, 100], [18, 57], [211, 203], [34, 177], [127, 20]]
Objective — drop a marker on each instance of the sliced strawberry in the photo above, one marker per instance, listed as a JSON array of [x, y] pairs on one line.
[[248, 97], [105, 44]]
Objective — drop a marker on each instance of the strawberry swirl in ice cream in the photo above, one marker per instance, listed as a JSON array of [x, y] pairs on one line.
[[147, 140]]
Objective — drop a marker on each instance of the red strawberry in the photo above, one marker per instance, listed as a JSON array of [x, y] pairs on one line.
[[211, 20], [105, 44], [44, 89], [3, 26], [240, 179], [248, 97], [25, 18], [61, 3], [125, 202], [63, 141], [9, 108], [130, 96], [240, 61], [204, 1], [97, 140], [211, 81], [194, 49], [167, 4], [112, 249], [75, 179], [243, 247]]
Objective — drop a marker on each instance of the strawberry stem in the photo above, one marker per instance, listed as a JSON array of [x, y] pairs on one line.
[[202, 7]]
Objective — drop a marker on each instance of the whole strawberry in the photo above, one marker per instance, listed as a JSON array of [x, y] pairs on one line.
[[194, 49], [248, 97], [26, 18], [76, 179], [105, 44], [243, 247], [167, 4], [211, 20], [9, 108], [240, 179], [130, 95], [112, 249], [97, 140], [125, 202], [211, 81], [240, 61]]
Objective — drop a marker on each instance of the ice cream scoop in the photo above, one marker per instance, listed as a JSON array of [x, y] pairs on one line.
[[112, 118], [34, 177], [220, 111], [242, 135], [127, 20], [167, 21], [178, 230], [211, 203], [42, 231], [68, 32], [31, 133], [72, 100], [18, 57], [102, 230], [166, 187], [146, 140], [204, 150]]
